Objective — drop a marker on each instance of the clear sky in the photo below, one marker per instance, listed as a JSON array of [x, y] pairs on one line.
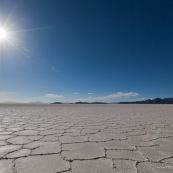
[[86, 50]]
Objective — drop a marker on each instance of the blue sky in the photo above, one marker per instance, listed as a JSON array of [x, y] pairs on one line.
[[86, 50]]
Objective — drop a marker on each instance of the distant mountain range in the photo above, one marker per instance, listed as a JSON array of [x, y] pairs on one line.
[[148, 101], [57, 103], [81, 103], [91, 103], [152, 101]]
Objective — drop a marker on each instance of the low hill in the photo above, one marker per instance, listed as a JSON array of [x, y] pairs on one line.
[[90, 103], [57, 103]]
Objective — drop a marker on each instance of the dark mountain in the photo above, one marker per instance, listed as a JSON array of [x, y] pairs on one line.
[[57, 103], [90, 103], [152, 101]]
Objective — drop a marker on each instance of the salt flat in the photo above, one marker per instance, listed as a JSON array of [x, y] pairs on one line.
[[86, 138]]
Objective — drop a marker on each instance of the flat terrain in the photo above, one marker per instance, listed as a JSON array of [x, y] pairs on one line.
[[86, 138]]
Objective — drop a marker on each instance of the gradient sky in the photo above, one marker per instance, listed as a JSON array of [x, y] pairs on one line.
[[86, 50]]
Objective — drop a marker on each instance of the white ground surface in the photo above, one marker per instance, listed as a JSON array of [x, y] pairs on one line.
[[86, 138]]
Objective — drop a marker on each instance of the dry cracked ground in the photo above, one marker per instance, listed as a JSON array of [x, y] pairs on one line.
[[86, 138]]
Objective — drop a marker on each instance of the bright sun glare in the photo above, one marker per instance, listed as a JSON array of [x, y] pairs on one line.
[[3, 34]]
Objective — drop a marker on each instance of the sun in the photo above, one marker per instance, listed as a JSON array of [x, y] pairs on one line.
[[3, 34]]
